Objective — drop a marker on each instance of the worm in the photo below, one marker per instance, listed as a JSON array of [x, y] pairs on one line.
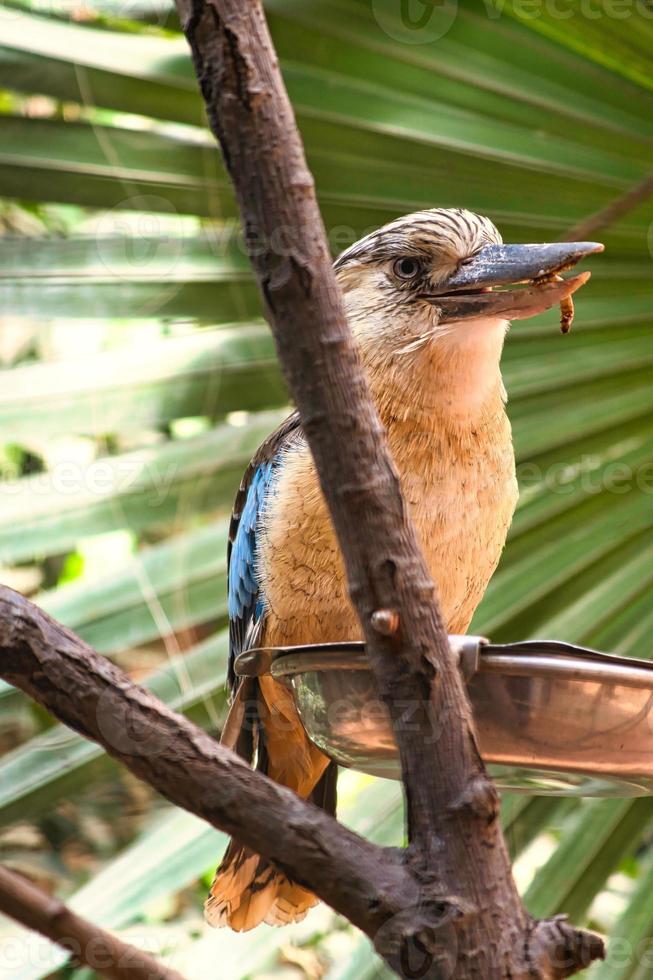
[[566, 304], [566, 311]]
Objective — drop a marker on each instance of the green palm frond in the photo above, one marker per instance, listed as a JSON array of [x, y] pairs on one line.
[[118, 223]]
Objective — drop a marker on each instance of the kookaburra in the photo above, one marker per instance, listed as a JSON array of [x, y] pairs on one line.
[[421, 297]]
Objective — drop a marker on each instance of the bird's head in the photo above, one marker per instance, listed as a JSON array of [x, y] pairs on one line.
[[439, 286]]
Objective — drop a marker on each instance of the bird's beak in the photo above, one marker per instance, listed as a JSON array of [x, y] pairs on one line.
[[472, 291]]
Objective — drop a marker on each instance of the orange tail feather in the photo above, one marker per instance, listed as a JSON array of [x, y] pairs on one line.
[[246, 889]]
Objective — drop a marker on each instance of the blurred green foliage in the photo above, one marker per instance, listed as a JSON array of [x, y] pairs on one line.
[[137, 378]]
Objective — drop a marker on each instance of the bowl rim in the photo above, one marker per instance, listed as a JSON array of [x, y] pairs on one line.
[[528, 658]]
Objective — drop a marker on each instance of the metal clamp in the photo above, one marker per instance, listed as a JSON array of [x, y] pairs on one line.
[[468, 651]]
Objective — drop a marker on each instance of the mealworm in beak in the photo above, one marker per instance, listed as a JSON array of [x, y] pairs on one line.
[[566, 314], [566, 304], [566, 310]]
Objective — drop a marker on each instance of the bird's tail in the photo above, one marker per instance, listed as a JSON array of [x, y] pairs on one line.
[[246, 889]]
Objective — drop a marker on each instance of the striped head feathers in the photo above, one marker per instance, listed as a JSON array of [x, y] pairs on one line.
[[390, 276]]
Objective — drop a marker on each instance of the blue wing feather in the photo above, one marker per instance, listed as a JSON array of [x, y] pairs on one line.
[[246, 594], [244, 587]]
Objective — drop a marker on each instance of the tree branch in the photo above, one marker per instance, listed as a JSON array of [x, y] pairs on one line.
[[456, 850], [612, 212], [90, 694], [88, 943], [450, 899], [414, 927]]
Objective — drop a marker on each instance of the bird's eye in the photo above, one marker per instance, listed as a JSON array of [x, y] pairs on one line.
[[406, 267]]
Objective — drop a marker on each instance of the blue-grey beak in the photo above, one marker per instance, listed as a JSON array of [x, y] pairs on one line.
[[471, 291]]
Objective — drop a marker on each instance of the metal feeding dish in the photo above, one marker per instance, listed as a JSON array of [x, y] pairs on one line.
[[551, 717]]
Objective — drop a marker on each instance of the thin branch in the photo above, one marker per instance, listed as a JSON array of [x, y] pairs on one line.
[[600, 220], [86, 942]]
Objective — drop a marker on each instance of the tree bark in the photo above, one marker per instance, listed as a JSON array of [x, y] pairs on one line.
[[456, 850], [87, 943], [416, 928], [87, 692]]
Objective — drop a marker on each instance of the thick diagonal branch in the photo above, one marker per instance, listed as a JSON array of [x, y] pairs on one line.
[[456, 846], [372, 887], [88, 693]]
